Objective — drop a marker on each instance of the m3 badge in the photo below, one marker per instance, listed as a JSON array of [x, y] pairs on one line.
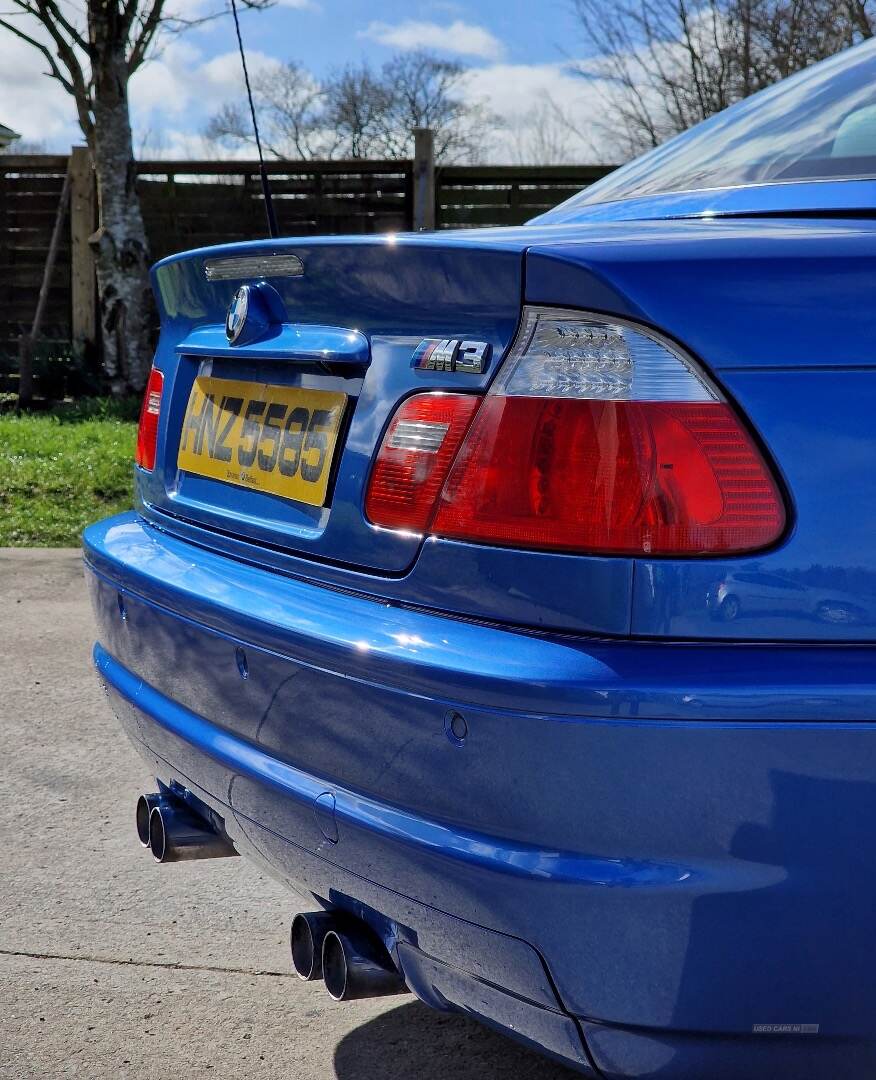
[[452, 354]]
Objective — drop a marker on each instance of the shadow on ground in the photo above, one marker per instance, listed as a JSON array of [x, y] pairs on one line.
[[414, 1042]]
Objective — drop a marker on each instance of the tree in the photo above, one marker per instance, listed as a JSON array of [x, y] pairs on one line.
[[358, 111], [93, 56], [291, 105], [547, 133], [423, 90], [356, 101], [664, 65]]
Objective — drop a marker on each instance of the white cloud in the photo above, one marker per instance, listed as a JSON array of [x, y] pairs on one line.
[[177, 144], [32, 104], [547, 114], [174, 95], [458, 37], [165, 83], [179, 88], [223, 75]]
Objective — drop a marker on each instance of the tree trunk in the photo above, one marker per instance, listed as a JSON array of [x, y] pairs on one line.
[[121, 252]]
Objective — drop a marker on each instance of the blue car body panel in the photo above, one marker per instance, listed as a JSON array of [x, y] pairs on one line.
[[650, 852], [690, 809], [737, 293], [747, 298]]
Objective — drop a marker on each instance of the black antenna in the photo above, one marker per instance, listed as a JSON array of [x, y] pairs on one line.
[[273, 231]]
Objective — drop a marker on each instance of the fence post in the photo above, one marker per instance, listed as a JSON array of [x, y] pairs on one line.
[[424, 180], [82, 225]]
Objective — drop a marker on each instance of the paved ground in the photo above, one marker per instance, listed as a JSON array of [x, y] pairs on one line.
[[111, 966]]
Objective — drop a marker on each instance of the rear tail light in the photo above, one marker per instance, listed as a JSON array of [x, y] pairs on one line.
[[147, 433], [599, 437], [415, 456]]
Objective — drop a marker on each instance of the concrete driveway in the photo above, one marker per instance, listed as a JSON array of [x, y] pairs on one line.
[[111, 966]]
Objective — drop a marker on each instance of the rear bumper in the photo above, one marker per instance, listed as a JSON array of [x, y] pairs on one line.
[[669, 843], [449, 962]]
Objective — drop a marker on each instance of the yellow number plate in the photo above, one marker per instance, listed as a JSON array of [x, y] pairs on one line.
[[278, 439]]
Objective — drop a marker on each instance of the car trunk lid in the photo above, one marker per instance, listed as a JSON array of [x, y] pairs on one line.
[[332, 330]]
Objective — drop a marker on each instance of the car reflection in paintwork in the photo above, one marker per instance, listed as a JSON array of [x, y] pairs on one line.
[[759, 593]]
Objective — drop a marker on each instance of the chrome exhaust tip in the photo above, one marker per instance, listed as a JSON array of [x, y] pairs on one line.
[[145, 805], [356, 965], [306, 938], [176, 834]]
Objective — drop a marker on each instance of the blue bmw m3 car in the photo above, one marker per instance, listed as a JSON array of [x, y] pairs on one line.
[[511, 595]]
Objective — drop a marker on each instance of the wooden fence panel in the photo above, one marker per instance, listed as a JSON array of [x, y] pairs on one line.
[[475, 196], [190, 204], [30, 190], [194, 204], [185, 204]]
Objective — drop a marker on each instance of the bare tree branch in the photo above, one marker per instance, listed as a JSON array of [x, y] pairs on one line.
[[860, 17], [94, 66], [663, 65], [175, 23], [359, 111], [54, 70], [75, 82], [149, 26], [51, 10]]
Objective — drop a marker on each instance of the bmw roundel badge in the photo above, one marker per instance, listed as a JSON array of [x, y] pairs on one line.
[[235, 320]]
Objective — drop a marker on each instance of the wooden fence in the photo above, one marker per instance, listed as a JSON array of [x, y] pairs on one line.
[[30, 189], [474, 196], [197, 203]]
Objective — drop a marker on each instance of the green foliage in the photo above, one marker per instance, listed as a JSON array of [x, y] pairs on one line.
[[61, 470], [102, 408]]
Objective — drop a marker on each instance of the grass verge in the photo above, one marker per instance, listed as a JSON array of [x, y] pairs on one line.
[[61, 470]]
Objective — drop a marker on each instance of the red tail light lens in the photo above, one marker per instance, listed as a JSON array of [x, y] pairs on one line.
[[610, 477], [414, 458], [147, 433]]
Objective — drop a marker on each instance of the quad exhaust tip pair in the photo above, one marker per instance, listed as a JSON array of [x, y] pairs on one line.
[[349, 957], [175, 833], [338, 948]]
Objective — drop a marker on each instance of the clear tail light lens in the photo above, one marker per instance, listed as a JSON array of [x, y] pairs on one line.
[[599, 437], [415, 456], [150, 413]]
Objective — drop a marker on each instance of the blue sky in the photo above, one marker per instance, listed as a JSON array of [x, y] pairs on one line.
[[332, 31], [519, 52]]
